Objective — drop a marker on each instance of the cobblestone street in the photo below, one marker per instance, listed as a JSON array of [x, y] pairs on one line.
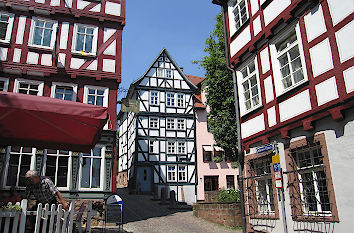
[[142, 215]]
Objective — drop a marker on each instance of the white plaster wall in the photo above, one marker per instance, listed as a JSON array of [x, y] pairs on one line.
[[20, 29], [295, 106], [349, 79], [32, 58], [232, 25], [254, 6], [340, 9], [61, 59], [55, 2], [109, 65], [3, 54], [345, 42], [107, 33], [272, 120], [326, 91], [111, 49], [17, 55], [264, 55], [113, 8], [82, 4], [314, 23], [321, 58], [252, 126], [240, 41], [97, 8], [76, 63], [64, 35], [46, 59], [257, 27], [275, 8], [93, 65], [268, 89]]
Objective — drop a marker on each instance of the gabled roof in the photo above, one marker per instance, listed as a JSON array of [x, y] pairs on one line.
[[164, 50], [196, 80]]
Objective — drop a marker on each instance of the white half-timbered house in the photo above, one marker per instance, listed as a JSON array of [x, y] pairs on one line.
[[157, 145]]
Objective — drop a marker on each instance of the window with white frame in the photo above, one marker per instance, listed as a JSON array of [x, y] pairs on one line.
[[96, 96], [240, 13], [154, 98], [154, 122], [64, 91], [180, 100], [168, 73], [182, 173], [181, 147], [4, 84], [250, 86], [153, 146], [43, 32], [170, 99], [289, 61], [181, 124], [20, 159], [170, 123], [57, 167], [30, 87], [85, 38], [264, 186], [6, 23], [171, 173], [91, 171], [160, 72], [171, 147]]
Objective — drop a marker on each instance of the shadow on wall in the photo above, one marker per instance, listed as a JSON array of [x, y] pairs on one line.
[[141, 207]]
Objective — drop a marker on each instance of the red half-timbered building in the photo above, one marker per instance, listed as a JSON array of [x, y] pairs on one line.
[[71, 50], [293, 61]]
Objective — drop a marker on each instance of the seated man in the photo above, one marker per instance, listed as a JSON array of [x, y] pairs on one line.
[[43, 190]]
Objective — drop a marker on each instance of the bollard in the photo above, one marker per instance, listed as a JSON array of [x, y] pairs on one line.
[[173, 202], [163, 196]]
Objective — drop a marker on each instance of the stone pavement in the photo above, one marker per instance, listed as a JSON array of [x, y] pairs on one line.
[[142, 215]]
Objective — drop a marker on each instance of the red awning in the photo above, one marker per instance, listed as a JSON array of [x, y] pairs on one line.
[[43, 122]]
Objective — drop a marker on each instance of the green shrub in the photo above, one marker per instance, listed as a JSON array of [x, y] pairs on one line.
[[229, 195]]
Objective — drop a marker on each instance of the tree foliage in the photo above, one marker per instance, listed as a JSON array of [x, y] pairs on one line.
[[219, 91]]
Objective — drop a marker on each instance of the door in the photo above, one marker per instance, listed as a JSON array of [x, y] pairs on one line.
[[144, 179]]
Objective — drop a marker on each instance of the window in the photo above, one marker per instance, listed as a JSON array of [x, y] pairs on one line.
[[211, 183], [170, 100], [264, 186], [154, 122], [57, 167], [29, 87], [4, 84], [171, 147], [43, 32], [312, 181], [181, 147], [6, 22], [168, 73], [182, 173], [289, 60], [250, 86], [154, 98], [85, 38], [91, 168], [230, 182], [240, 13], [160, 72], [152, 146], [64, 91], [171, 173], [170, 123], [181, 124], [96, 96], [19, 163], [180, 100], [207, 150]]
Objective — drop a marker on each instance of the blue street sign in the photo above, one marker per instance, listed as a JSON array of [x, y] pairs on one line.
[[276, 167], [264, 148]]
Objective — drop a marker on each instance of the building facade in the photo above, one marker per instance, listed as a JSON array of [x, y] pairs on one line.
[[156, 145], [215, 169], [293, 62], [69, 50]]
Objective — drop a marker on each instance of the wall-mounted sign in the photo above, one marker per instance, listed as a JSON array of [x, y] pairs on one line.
[[278, 184], [277, 175], [276, 167], [275, 159]]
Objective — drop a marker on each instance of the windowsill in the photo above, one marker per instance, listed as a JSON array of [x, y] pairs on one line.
[[91, 189], [265, 216], [40, 47], [238, 31], [312, 218], [252, 109], [79, 54], [292, 88]]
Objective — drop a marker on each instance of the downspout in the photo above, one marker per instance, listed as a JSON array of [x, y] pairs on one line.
[[238, 125]]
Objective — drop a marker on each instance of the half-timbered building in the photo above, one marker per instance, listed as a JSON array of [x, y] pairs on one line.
[[71, 50], [156, 145], [293, 62]]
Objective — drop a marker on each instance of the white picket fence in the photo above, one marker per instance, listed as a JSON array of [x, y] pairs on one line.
[[52, 219]]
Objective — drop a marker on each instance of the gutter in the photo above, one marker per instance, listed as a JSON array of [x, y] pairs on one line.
[[238, 124]]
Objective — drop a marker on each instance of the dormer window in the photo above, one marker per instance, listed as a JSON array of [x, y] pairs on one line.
[[240, 13]]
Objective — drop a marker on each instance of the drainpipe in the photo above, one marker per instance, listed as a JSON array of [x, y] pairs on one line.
[[238, 125]]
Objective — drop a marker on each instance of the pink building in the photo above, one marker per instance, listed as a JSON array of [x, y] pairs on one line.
[[213, 168]]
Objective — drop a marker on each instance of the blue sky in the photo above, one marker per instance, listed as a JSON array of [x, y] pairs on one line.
[[179, 26]]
